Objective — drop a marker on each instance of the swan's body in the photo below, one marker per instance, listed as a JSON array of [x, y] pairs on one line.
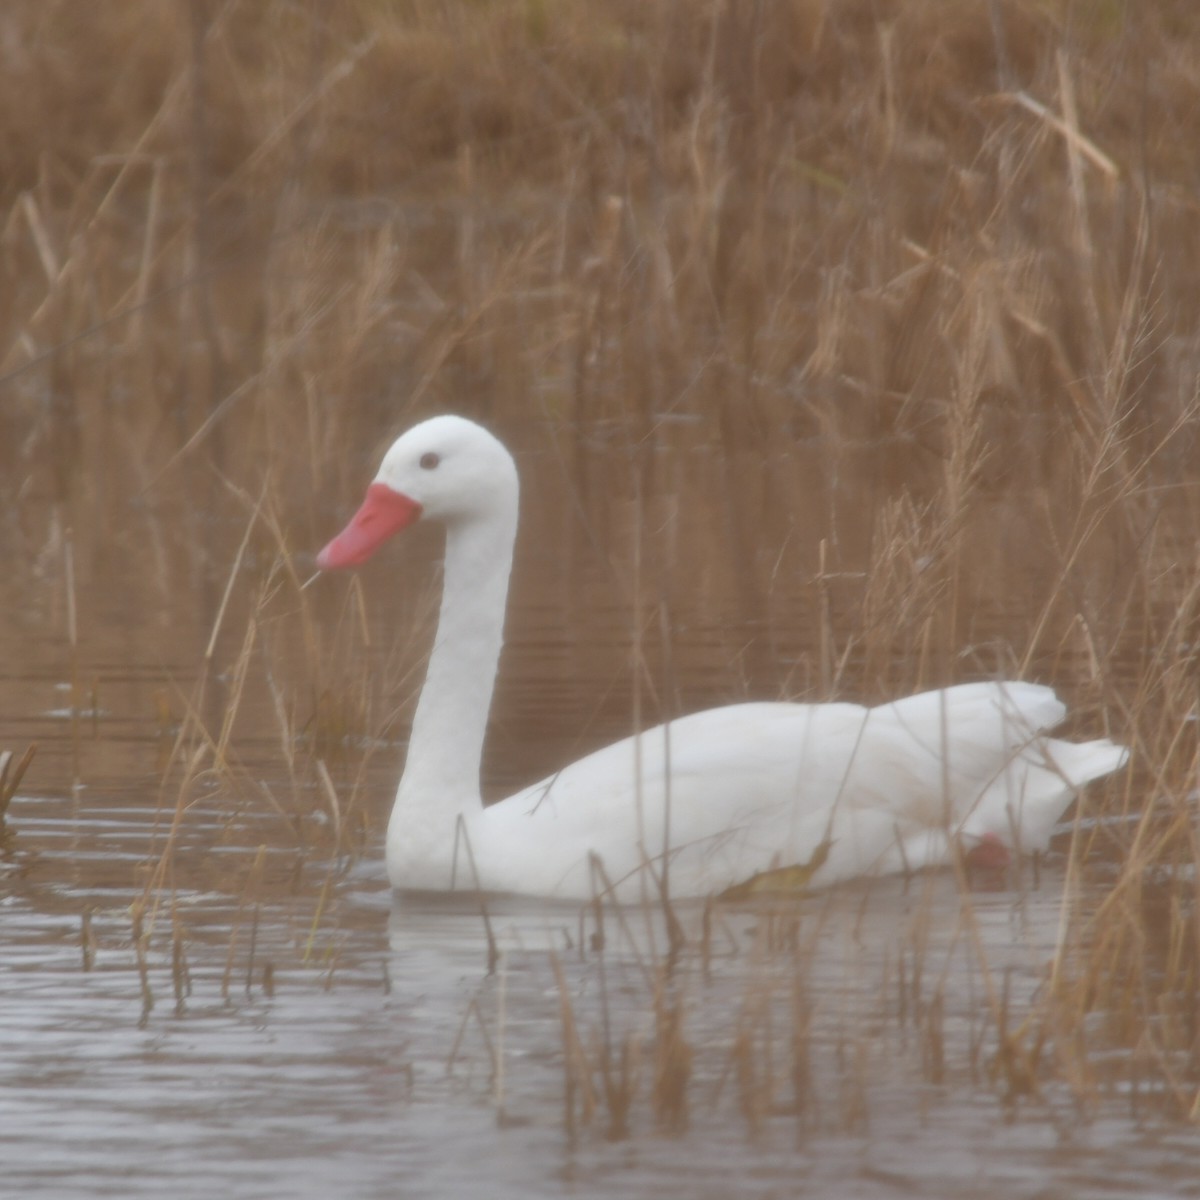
[[719, 796]]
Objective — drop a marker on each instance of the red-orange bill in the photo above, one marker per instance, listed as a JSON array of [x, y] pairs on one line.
[[383, 513]]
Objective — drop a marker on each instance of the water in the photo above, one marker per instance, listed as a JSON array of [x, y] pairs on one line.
[[364, 1068], [284, 1026]]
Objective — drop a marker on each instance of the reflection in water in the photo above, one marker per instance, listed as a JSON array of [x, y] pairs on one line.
[[844, 1045]]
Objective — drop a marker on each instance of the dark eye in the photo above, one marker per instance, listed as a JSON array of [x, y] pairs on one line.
[[429, 460]]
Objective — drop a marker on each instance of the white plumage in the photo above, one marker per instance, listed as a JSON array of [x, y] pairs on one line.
[[719, 796]]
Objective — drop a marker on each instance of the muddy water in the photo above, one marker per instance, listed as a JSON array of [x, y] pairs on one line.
[[278, 1025], [390, 1063]]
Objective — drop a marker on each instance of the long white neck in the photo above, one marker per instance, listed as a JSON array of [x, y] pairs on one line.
[[441, 774]]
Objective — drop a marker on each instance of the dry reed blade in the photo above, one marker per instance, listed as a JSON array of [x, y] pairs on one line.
[[577, 1069], [473, 1010], [235, 567], [462, 837], [12, 771], [87, 940], [335, 811], [141, 938], [253, 881]]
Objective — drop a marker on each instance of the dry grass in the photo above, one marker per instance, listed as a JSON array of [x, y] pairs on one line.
[[888, 308], [12, 771]]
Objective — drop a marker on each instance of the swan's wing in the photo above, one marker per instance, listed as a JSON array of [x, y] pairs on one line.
[[725, 792], [848, 791]]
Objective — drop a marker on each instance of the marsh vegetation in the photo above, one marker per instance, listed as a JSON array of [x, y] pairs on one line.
[[847, 349]]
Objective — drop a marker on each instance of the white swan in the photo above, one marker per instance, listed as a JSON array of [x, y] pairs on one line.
[[810, 793]]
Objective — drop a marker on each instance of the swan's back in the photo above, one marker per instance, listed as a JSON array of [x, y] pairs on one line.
[[751, 786]]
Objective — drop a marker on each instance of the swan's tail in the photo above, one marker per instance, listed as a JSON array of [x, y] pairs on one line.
[[1031, 780], [1031, 796], [1078, 763]]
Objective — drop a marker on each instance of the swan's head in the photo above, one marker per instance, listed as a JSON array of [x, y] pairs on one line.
[[446, 469]]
